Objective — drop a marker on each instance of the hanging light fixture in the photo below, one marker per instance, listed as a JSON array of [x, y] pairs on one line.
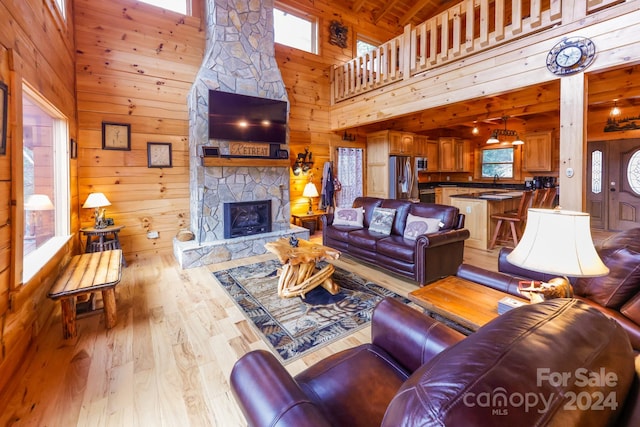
[[615, 111], [475, 129], [493, 139]]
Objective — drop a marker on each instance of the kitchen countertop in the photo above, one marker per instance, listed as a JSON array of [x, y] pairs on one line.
[[489, 195], [472, 184]]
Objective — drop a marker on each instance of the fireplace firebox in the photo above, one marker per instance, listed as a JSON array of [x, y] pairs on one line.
[[247, 218]]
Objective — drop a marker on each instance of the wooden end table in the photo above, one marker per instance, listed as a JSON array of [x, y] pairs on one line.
[[299, 274], [103, 239], [461, 301], [87, 273]]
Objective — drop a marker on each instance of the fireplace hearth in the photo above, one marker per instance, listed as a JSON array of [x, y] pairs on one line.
[[247, 218]]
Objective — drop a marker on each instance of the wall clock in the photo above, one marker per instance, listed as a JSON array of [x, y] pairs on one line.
[[571, 55]]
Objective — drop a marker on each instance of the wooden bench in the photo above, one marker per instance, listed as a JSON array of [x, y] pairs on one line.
[[87, 273]]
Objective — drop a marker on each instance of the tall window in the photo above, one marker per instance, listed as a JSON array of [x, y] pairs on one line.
[[46, 179], [179, 6], [295, 30], [497, 163]]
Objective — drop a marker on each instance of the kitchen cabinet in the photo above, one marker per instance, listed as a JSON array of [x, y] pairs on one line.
[[400, 143], [537, 152], [454, 155], [378, 164], [427, 148], [478, 217]]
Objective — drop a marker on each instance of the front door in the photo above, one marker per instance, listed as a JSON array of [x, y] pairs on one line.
[[613, 184]]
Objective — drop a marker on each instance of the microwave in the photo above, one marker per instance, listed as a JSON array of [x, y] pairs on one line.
[[421, 163]]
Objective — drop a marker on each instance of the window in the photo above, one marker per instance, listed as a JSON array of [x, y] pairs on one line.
[[179, 6], [363, 46], [497, 162], [295, 31], [61, 8], [46, 181]]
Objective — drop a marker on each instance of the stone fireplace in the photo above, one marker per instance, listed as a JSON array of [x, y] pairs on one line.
[[239, 58]]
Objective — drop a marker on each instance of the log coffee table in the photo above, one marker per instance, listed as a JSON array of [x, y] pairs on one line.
[[299, 274], [461, 301]]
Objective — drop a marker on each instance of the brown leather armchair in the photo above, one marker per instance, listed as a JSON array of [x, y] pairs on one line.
[[417, 371]]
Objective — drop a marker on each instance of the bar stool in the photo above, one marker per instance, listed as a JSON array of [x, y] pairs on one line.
[[515, 221], [543, 198]]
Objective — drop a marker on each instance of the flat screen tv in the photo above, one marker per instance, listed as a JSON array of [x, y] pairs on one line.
[[237, 117]]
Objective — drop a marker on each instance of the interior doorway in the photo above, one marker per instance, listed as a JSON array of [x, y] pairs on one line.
[[613, 184]]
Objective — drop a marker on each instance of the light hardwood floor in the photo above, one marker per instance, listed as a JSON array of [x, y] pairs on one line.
[[168, 359]]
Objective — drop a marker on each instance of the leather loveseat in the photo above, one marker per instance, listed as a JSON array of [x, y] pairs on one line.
[[421, 254], [617, 295], [557, 363]]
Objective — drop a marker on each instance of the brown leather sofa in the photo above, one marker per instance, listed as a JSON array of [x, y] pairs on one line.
[[617, 295], [544, 364], [427, 258]]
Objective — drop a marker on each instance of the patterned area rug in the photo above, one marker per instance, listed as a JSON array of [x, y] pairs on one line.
[[294, 326]]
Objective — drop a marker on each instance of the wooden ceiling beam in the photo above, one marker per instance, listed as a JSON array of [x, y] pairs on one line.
[[357, 5], [417, 7], [388, 5]]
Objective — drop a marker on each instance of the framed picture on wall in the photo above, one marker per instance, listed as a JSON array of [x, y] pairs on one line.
[[116, 136], [3, 118], [159, 155]]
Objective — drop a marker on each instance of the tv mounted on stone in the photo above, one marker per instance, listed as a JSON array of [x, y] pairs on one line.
[[236, 117]]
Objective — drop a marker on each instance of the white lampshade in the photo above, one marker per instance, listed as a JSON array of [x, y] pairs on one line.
[[310, 190], [96, 200], [38, 202], [558, 242]]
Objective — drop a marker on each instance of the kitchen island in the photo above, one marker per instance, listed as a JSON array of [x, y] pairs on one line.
[[478, 208]]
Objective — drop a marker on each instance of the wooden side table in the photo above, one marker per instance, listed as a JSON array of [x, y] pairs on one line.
[[102, 239], [465, 303], [302, 219]]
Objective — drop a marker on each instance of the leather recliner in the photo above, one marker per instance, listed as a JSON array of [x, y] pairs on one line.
[[527, 367]]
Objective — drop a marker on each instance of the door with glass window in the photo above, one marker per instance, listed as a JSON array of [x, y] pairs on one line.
[[613, 199]]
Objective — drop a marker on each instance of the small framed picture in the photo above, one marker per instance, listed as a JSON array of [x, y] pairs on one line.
[[73, 149], [159, 155], [3, 118], [116, 136]]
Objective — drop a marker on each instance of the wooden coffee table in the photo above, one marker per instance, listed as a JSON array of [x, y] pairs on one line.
[[465, 303], [299, 274]]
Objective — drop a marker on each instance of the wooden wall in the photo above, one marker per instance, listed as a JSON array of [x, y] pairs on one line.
[[135, 65], [306, 77], [37, 48]]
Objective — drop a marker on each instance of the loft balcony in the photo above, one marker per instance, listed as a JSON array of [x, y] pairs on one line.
[[464, 30]]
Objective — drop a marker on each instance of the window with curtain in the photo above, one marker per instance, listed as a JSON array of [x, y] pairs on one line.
[[350, 176]]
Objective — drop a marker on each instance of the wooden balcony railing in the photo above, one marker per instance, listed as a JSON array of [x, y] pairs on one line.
[[469, 27]]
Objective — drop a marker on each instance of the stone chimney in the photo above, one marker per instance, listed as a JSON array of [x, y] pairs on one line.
[[239, 58]]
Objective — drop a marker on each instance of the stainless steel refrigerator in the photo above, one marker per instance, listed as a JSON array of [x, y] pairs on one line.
[[402, 178]]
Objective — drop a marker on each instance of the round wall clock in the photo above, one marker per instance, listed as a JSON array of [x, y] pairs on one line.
[[571, 55]]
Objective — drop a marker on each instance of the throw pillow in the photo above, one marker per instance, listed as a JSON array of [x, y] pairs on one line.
[[622, 282], [348, 216], [382, 220], [417, 225]]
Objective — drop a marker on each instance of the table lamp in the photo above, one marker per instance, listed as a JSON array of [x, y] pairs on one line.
[[35, 203], [559, 242], [97, 201], [310, 191]]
